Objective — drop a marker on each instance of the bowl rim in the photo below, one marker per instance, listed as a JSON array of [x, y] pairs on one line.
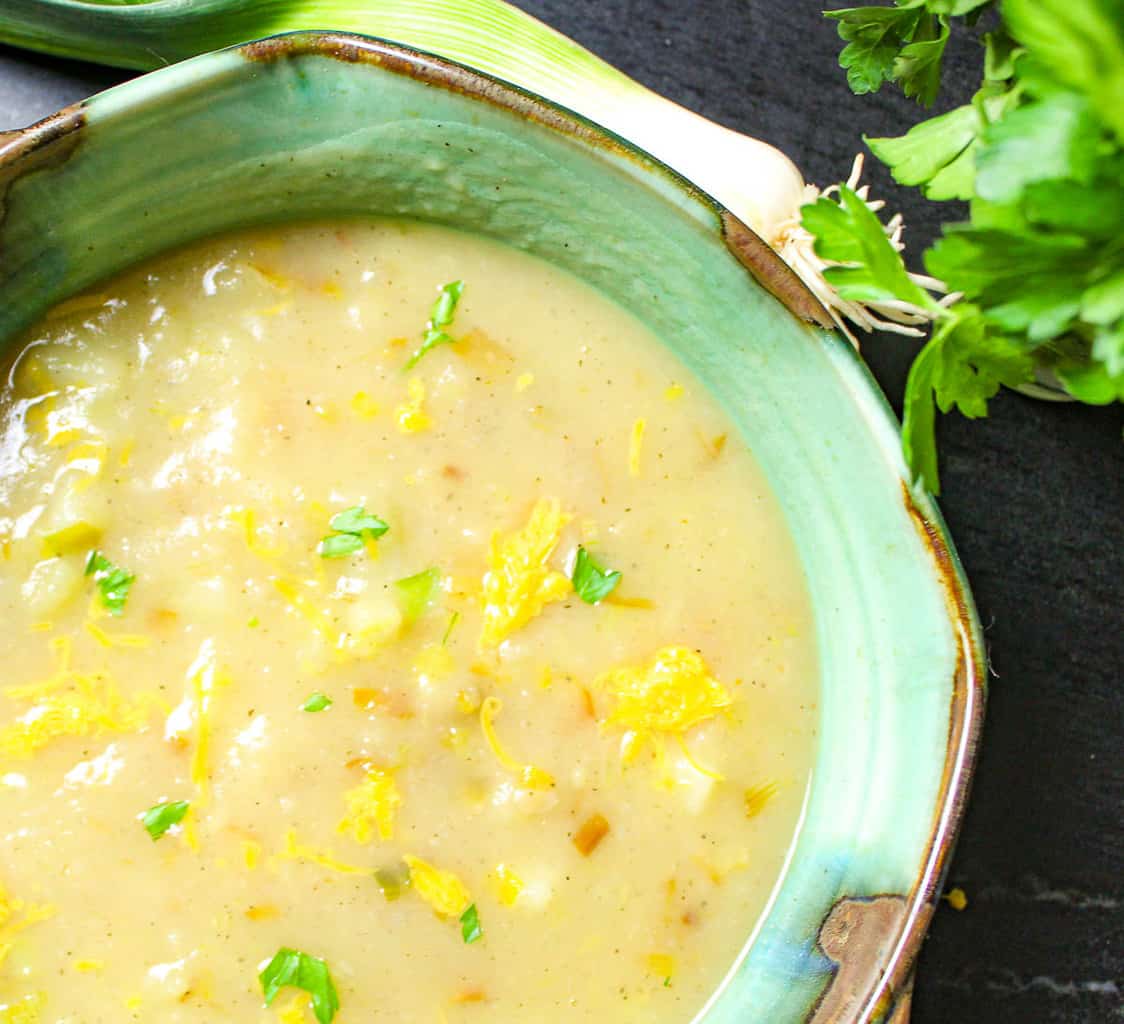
[[52, 138]]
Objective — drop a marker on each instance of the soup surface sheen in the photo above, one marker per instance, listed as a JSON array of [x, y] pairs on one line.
[[236, 723]]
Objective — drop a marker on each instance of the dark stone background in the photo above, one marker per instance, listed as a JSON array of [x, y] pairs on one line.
[[1033, 496]]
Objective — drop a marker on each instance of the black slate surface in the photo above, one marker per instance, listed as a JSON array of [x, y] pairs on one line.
[[1033, 496]]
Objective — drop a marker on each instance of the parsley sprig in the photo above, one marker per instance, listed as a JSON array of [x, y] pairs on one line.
[[351, 529], [1038, 269], [158, 819], [112, 581], [440, 317], [592, 581], [291, 968]]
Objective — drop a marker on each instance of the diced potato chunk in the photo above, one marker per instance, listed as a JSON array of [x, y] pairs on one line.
[[52, 583]]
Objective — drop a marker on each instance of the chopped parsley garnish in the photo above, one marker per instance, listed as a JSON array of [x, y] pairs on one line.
[[351, 529], [453, 620], [416, 593], [157, 820], [293, 969], [592, 582], [317, 702], [112, 581], [470, 926], [440, 317]]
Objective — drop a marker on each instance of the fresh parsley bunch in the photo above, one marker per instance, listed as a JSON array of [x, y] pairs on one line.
[[1036, 274]]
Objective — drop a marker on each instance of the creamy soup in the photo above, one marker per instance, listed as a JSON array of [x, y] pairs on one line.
[[394, 631]]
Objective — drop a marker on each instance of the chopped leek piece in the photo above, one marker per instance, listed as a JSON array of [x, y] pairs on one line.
[[112, 581], [444, 309], [317, 702], [470, 925]]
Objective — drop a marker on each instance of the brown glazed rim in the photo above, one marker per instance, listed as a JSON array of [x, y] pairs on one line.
[[884, 994]]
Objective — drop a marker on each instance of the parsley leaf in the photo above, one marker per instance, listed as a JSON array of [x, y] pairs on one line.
[[932, 154], [874, 36], [962, 365], [416, 593], [1054, 138], [352, 528], [112, 581], [440, 317], [1079, 43], [470, 925], [592, 582], [1037, 272], [157, 820], [359, 521], [317, 702], [918, 66], [293, 969]]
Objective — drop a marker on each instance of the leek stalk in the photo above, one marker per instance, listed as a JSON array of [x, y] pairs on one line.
[[752, 179]]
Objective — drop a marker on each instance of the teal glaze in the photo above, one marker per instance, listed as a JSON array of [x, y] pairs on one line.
[[338, 126]]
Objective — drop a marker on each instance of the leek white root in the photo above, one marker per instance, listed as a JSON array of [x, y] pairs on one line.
[[796, 246]]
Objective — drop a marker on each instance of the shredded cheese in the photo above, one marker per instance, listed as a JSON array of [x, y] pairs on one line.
[[670, 693], [251, 533], [371, 807], [251, 853], [442, 890], [529, 776], [24, 1011], [636, 446], [364, 406], [133, 640], [89, 966], [293, 1011], [16, 915], [294, 850], [519, 584], [203, 680], [508, 885], [411, 415], [91, 706]]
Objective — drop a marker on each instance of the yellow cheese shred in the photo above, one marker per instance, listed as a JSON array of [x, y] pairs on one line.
[[529, 776], [442, 890], [371, 807], [519, 583], [669, 694], [294, 1011], [251, 533], [508, 885], [295, 850], [92, 705], [411, 415], [24, 1011], [127, 640], [364, 406], [16, 915], [251, 853], [636, 446], [204, 678]]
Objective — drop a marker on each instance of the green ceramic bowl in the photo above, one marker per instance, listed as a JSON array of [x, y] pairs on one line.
[[318, 125]]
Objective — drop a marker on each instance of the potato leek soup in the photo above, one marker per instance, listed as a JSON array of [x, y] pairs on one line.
[[394, 631]]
